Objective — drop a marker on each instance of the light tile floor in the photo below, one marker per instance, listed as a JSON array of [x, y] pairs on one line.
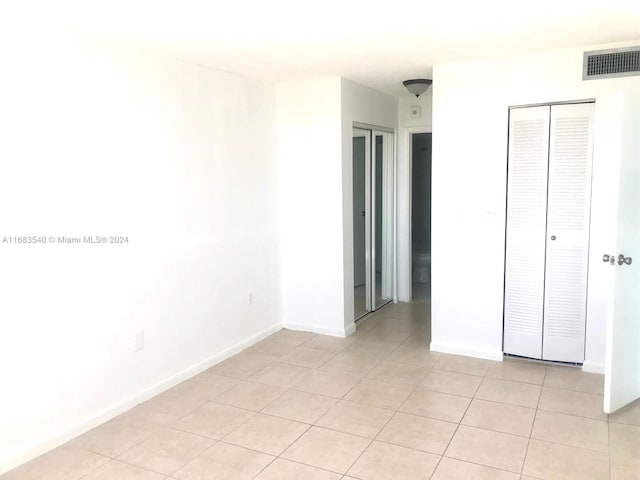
[[377, 405]]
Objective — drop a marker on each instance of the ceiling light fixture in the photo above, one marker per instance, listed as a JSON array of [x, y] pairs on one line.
[[417, 86]]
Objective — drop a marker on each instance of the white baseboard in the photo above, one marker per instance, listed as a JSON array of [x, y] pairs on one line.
[[593, 367], [334, 332], [78, 428], [466, 350]]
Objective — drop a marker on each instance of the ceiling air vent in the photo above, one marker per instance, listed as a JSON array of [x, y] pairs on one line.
[[619, 62]]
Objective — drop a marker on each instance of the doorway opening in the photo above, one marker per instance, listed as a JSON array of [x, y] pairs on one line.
[[421, 217]]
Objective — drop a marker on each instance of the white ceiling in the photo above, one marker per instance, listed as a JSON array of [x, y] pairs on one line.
[[375, 43]]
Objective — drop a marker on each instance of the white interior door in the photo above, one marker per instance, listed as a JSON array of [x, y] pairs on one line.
[[567, 238], [526, 230], [622, 370]]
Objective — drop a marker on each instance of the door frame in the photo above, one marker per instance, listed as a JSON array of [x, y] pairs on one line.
[[408, 194]]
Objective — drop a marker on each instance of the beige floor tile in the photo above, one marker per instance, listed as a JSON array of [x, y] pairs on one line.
[[116, 470], [282, 469], [225, 462], [366, 348], [241, 366], [389, 336], [281, 375], [166, 451], [307, 357], [625, 470], [420, 357], [291, 337], [330, 384], [165, 408], [570, 430], [451, 469], [625, 448], [273, 351], [625, 451], [213, 420], [505, 391], [267, 434], [116, 436], [328, 449], [300, 406], [417, 432], [62, 463], [250, 395], [493, 449], [518, 371], [460, 364], [440, 406], [382, 461], [398, 373], [329, 344], [572, 403], [451, 382], [629, 415], [346, 364], [551, 460], [574, 379], [500, 417], [205, 386], [362, 420], [379, 394]]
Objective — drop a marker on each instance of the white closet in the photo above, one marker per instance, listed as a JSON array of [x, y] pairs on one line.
[[547, 241]]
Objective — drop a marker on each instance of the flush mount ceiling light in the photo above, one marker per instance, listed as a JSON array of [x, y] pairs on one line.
[[417, 86]]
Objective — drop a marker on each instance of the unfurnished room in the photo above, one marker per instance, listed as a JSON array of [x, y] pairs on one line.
[[322, 241]]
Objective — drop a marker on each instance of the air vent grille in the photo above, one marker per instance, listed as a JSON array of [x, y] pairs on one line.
[[620, 62]]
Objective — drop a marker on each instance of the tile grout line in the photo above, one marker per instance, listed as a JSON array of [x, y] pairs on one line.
[[535, 415], [451, 439]]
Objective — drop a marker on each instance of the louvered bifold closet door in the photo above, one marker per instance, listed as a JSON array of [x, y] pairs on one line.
[[570, 159], [526, 226]]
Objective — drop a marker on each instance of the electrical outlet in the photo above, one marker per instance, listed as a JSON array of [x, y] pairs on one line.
[[138, 340]]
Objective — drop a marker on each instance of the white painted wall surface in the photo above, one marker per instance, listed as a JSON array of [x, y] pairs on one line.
[[363, 105], [310, 204], [179, 158], [407, 125], [470, 111]]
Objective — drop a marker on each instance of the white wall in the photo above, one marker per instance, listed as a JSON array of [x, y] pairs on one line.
[[470, 112], [310, 204], [406, 126], [363, 105], [179, 158]]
